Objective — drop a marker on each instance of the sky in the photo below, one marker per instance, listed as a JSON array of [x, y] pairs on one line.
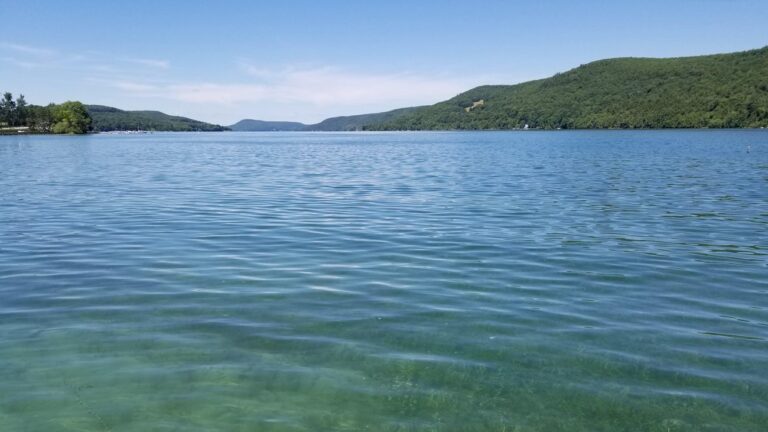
[[225, 60]]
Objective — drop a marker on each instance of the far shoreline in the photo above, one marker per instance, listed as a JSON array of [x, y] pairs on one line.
[[7, 133]]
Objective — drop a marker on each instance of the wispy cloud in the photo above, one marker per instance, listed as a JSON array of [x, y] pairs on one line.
[[255, 71], [30, 57], [134, 87], [299, 92], [159, 64], [322, 86], [21, 63], [27, 49]]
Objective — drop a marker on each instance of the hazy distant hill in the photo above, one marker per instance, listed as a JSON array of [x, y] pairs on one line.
[[725, 90], [249, 125], [110, 119], [344, 123], [358, 122]]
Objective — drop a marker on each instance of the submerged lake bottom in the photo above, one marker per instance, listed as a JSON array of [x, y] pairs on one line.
[[499, 281]]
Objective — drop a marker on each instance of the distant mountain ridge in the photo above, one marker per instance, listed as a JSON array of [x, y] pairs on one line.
[[341, 123], [711, 91], [113, 119]]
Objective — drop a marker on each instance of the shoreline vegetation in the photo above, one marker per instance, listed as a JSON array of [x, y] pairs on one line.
[[18, 117], [721, 91]]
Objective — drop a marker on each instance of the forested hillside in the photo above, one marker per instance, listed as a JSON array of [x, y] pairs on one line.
[[359, 122], [111, 119], [715, 91]]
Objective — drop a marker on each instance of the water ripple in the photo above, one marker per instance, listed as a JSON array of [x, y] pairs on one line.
[[575, 281]]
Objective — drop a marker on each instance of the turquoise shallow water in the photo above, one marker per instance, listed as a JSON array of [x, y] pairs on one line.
[[564, 281]]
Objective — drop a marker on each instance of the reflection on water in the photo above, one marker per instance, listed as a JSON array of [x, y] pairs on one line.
[[574, 281]]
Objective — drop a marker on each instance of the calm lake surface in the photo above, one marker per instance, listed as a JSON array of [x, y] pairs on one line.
[[524, 281]]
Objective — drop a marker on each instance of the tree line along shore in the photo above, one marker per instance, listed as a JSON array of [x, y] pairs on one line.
[[17, 116], [72, 117]]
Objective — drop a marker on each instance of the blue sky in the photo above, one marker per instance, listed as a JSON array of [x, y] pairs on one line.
[[223, 60]]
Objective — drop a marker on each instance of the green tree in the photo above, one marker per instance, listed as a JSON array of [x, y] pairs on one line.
[[21, 111], [7, 108], [40, 118], [71, 118]]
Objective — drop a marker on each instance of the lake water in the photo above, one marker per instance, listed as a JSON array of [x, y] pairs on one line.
[[523, 281]]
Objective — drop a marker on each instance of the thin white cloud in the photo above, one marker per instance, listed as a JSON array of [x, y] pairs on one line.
[[159, 64], [302, 92], [256, 71], [323, 86], [134, 87], [21, 63], [29, 57], [27, 49]]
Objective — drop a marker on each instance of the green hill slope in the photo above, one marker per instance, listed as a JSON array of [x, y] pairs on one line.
[[724, 90], [110, 119], [249, 125], [359, 122]]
